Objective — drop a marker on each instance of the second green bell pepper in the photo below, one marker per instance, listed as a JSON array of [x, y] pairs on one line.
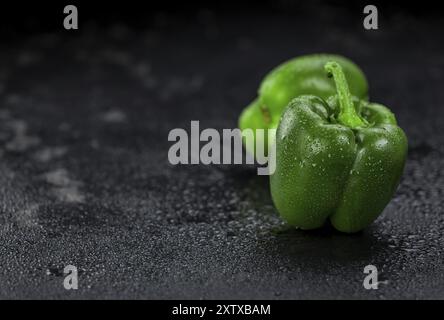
[[339, 160], [299, 76]]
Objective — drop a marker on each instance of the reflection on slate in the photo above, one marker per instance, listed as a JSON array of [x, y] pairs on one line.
[[84, 176]]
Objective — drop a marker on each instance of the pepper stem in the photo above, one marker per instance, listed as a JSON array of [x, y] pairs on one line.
[[347, 114]]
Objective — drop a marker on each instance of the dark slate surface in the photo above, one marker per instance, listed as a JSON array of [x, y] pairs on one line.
[[84, 176]]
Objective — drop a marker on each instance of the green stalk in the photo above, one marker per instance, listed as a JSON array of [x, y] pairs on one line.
[[347, 114]]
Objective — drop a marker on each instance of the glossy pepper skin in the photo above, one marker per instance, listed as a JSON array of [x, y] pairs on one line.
[[299, 76], [339, 160]]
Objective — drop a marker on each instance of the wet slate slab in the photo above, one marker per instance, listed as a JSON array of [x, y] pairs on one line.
[[84, 176]]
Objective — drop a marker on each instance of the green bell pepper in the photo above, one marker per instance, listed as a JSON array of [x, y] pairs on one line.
[[339, 160], [299, 76]]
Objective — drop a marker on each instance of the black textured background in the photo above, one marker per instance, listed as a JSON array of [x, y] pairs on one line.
[[84, 176]]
